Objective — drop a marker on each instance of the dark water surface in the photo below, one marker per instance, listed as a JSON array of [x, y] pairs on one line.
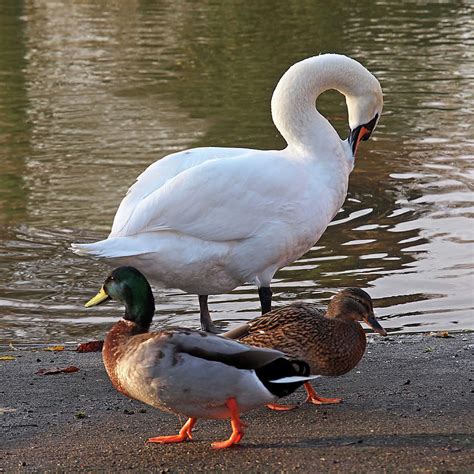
[[91, 93]]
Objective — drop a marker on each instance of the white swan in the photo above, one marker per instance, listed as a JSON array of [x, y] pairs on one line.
[[206, 220]]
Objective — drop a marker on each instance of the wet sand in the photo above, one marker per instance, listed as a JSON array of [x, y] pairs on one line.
[[408, 406]]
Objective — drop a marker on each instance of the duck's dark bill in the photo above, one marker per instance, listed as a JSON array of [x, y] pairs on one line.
[[375, 325], [98, 298]]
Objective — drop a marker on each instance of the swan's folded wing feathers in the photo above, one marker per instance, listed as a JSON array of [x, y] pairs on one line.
[[159, 173], [212, 201]]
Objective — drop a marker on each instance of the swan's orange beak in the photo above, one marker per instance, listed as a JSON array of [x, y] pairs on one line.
[[361, 133]]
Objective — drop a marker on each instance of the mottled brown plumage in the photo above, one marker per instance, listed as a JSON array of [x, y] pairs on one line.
[[332, 343]]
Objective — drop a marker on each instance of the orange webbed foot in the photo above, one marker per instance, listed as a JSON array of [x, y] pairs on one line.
[[314, 398], [322, 400], [235, 437], [183, 435], [237, 427], [278, 407]]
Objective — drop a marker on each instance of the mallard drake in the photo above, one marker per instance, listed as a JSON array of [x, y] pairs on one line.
[[332, 342], [207, 220], [188, 372]]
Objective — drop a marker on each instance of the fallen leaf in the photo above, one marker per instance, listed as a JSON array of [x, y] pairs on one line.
[[7, 358], [54, 348], [80, 414], [12, 347], [91, 346], [440, 334], [428, 349], [66, 370]]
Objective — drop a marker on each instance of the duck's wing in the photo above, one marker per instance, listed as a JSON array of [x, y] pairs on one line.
[[218, 349], [276, 320], [223, 200], [185, 349], [277, 372], [160, 172]]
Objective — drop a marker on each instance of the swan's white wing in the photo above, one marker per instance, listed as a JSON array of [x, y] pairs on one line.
[[223, 200], [160, 172]]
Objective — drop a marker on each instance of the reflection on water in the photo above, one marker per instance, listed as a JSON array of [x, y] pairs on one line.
[[89, 96]]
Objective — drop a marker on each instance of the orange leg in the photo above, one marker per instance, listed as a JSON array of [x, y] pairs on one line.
[[313, 397], [183, 435], [237, 430]]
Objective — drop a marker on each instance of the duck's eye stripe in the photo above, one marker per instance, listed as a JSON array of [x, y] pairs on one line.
[[364, 304]]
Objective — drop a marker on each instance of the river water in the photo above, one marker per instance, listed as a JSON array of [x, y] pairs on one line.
[[91, 93]]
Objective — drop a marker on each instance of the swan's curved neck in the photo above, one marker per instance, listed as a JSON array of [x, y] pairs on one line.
[[293, 103]]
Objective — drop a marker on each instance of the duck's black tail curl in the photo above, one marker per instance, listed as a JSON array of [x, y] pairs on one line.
[[283, 376]]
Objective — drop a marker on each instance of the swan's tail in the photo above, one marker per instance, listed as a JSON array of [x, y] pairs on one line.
[[113, 247], [96, 249]]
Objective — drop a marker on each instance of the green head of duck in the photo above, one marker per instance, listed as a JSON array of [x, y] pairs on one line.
[[130, 287]]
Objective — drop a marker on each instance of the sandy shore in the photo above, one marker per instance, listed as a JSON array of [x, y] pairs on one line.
[[407, 407]]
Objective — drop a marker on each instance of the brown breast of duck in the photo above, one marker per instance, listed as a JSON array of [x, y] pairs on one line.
[[118, 342]]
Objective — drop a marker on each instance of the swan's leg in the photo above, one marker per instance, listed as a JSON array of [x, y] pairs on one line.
[[313, 397], [265, 295], [183, 435], [237, 430], [206, 321]]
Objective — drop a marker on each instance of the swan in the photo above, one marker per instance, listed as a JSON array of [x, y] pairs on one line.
[[206, 220]]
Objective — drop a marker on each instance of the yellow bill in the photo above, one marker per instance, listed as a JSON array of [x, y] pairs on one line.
[[98, 298]]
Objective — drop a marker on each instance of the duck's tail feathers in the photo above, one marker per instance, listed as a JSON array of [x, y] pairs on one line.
[[283, 376], [295, 378], [238, 332]]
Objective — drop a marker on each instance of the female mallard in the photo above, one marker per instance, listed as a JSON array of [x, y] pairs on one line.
[[207, 220], [332, 343], [186, 371]]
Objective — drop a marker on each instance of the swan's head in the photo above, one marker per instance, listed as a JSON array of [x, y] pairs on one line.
[[296, 93], [364, 111]]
